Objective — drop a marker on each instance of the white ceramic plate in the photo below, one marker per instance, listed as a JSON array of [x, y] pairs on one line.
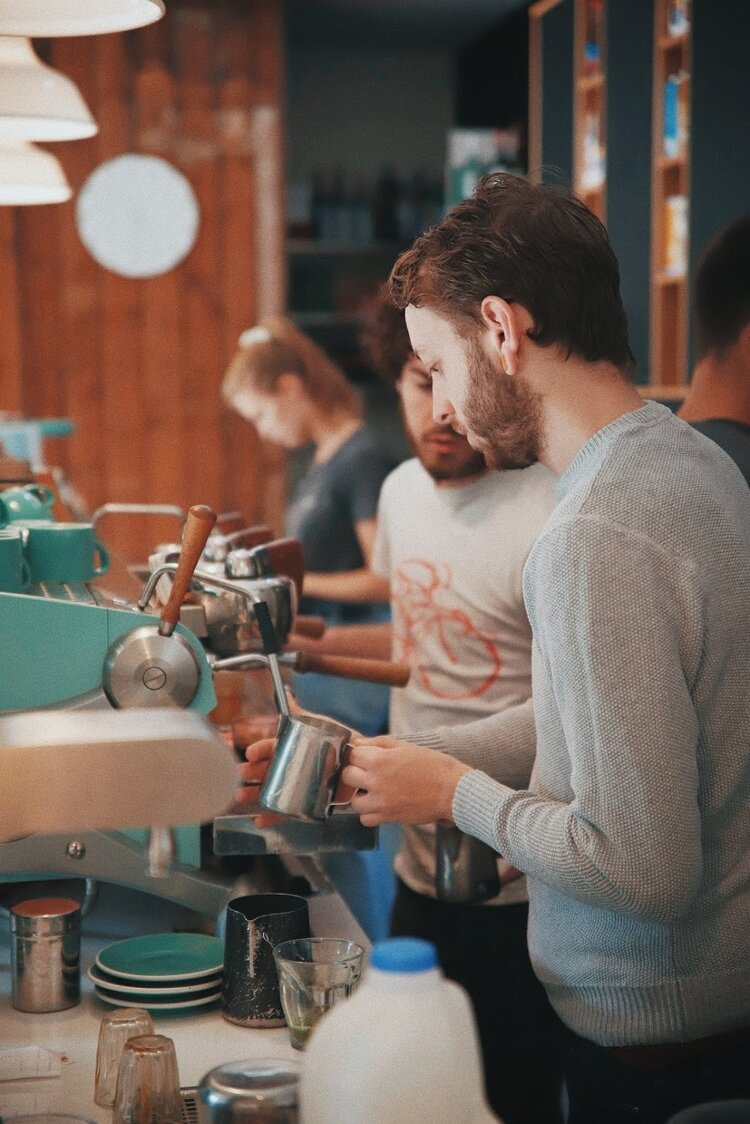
[[117, 1002], [97, 976]]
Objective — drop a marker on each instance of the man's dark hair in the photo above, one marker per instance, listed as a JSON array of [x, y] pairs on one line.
[[385, 338], [722, 289], [532, 244]]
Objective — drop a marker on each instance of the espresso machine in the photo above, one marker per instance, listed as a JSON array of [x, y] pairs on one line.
[[68, 646]]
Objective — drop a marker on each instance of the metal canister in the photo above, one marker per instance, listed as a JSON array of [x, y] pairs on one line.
[[45, 954], [259, 1091], [465, 868]]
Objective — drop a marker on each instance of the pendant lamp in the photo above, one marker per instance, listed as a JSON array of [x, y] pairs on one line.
[[30, 175], [43, 18], [38, 103]]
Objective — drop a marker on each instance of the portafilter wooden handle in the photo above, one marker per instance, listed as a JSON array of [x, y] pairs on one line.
[[198, 526], [248, 537], [353, 667], [283, 556], [311, 627]]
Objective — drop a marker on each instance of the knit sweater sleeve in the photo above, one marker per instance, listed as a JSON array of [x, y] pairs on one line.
[[502, 745], [618, 626]]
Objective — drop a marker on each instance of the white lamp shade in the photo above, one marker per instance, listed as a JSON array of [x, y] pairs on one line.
[[36, 102], [42, 18], [30, 175]]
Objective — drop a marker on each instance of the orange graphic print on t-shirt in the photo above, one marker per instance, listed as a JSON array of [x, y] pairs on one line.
[[422, 595]]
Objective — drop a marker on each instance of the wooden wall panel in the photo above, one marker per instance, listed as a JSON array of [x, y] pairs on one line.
[[137, 364]]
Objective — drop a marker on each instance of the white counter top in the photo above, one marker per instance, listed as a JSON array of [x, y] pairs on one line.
[[202, 1040]]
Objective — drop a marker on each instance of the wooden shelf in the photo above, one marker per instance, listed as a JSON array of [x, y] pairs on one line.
[[662, 392], [670, 163], [669, 42], [665, 279], [588, 82], [589, 105], [668, 362]]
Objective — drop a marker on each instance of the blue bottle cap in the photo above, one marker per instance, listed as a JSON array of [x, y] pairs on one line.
[[404, 954]]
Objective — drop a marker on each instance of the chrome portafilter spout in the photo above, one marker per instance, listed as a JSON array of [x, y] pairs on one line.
[[160, 852]]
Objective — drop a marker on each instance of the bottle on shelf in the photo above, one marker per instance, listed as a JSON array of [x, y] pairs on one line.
[[403, 1047], [676, 226], [385, 206], [594, 39], [676, 114], [678, 17]]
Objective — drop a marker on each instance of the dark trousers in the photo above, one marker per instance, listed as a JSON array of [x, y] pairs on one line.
[[483, 948], [606, 1089]]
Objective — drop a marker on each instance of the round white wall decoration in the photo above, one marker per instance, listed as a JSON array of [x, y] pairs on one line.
[[137, 215]]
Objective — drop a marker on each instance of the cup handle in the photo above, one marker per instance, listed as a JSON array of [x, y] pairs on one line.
[[344, 761], [103, 559], [26, 579]]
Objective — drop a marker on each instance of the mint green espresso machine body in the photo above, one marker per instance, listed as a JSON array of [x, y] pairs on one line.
[[58, 643]]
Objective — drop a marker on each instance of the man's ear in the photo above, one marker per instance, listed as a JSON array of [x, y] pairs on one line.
[[505, 332], [290, 385]]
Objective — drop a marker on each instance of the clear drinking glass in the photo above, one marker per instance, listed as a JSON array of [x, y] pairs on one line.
[[314, 973], [114, 1031], [148, 1084]]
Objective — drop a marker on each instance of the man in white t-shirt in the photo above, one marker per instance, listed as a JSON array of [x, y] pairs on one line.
[[452, 540]]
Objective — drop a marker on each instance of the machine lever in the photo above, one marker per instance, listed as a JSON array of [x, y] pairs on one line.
[[198, 527]]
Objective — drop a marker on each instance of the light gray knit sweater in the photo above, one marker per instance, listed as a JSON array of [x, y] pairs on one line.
[[635, 828]]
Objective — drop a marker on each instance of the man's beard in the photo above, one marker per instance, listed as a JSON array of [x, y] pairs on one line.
[[503, 413]]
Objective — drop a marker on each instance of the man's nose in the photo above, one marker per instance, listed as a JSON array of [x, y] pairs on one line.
[[442, 407]]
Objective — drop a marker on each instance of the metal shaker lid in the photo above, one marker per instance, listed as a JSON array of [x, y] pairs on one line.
[[42, 916], [246, 1086]]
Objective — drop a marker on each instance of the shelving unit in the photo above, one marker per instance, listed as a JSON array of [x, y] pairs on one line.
[[590, 105], [670, 195]]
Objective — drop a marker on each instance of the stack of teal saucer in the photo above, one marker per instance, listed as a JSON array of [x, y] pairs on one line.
[[160, 972]]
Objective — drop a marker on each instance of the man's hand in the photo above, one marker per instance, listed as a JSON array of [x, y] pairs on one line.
[[401, 782], [253, 772], [252, 728]]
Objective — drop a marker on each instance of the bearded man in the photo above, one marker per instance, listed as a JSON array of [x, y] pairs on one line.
[[634, 831]]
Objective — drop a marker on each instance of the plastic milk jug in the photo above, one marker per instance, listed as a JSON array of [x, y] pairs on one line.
[[402, 1048]]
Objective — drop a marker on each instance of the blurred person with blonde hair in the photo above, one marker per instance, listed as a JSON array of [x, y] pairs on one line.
[[295, 395]]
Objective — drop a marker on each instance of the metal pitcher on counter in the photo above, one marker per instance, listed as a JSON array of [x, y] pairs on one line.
[[465, 868]]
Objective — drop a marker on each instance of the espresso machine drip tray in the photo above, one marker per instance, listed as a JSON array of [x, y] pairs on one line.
[[342, 831]]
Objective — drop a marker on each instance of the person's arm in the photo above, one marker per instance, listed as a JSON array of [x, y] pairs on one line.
[[620, 627], [361, 585], [373, 641]]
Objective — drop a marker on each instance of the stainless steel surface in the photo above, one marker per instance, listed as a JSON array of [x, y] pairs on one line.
[[146, 669], [115, 858], [244, 563], [255, 1090], [160, 852], [279, 689], [304, 770], [465, 868], [230, 623], [139, 509], [342, 831], [45, 954]]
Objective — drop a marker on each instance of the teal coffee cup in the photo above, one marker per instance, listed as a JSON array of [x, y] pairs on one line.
[[63, 552], [32, 501], [14, 569]]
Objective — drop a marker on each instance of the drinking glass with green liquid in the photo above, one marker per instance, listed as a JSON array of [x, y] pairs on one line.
[[314, 974]]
